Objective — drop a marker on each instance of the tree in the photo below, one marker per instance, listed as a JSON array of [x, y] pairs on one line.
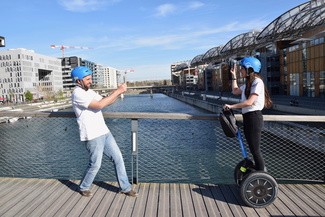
[[28, 95]]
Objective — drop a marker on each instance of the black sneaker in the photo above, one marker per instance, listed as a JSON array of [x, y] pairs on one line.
[[86, 193], [131, 193]]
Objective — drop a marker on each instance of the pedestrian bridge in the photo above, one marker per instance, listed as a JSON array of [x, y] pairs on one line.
[[181, 165]]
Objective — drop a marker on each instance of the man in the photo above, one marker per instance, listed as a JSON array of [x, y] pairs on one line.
[[87, 105]]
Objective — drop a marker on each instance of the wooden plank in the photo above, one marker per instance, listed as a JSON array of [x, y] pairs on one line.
[[74, 199], [61, 187], [17, 194], [235, 208], [140, 203], [298, 201], [320, 188], [70, 189], [187, 201], [175, 200], [77, 203], [289, 202], [34, 200], [222, 204], [249, 211], [95, 201], [116, 204], [280, 204], [44, 198], [152, 204], [129, 204], [8, 185], [314, 191], [163, 200], [211, 205], [308, 199], [107, 200], [37, 197], [198, 202]]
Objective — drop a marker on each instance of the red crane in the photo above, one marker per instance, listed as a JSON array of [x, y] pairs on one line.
[[62, 47]]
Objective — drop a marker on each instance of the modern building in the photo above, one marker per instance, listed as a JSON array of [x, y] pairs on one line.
[[69, 63], [109, 77], [103, 77], [95, 68], [2, 41], [183, 73], [24, 70], [291, 49]]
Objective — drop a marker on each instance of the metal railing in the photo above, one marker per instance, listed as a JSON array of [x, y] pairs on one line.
[[159, 147]]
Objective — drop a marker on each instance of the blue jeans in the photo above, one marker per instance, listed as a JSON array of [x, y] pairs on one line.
[[105, 144]]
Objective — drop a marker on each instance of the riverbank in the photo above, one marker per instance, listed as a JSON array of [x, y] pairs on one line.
[[281, 104], [50, 106]]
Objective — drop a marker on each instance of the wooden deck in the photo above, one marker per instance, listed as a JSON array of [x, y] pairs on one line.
[[49, 197]]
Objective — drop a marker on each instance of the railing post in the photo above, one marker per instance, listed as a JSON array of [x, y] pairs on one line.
[[134, 139]]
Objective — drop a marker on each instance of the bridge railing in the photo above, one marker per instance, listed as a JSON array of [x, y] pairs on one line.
[[159, 147]]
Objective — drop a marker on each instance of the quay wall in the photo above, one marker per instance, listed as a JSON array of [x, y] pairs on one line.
[[216, 108], [212, 107]]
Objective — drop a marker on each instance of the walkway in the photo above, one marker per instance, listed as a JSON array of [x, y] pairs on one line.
[[49, 197], [281, 104]]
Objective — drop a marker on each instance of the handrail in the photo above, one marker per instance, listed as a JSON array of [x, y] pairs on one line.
[[205, 131], [151, 115]]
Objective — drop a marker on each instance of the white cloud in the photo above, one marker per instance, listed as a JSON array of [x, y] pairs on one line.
[[179, 39], [195, 5], [83, 5], [165, 9]]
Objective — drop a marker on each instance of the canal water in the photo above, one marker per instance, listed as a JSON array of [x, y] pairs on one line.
[[177, 151]]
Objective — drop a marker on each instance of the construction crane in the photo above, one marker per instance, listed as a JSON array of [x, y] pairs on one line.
[[62, 47]]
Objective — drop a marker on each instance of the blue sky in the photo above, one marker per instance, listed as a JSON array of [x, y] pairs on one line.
[[146, 36]]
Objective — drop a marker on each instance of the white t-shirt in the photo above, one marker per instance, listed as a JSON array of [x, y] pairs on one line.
[[257, 88], [91, 122]]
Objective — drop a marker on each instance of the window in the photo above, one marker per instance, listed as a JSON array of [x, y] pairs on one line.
[[322, 84], [309, 84]]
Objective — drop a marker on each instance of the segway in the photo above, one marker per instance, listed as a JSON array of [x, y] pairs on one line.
[[257, 189]]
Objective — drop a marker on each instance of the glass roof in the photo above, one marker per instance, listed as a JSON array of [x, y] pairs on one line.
[[197, 60], [180, 67], [212, 54], [291, 24], [241, 44]]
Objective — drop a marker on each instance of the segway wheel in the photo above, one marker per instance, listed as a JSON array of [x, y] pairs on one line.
[[258, 189], [242, 169]]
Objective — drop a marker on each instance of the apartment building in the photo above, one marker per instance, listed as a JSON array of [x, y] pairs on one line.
[[23, 70], [69, 63], [109, 77]]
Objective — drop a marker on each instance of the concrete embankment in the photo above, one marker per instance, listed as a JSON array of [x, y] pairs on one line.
[[214, 104], [34, 107], [198, 102]]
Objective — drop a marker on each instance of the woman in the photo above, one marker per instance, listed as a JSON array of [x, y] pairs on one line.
[[254, 97]]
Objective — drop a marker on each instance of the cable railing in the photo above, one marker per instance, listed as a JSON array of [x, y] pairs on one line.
[[159, 147]]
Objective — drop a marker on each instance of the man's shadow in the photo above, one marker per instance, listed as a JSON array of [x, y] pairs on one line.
[[74, 187]]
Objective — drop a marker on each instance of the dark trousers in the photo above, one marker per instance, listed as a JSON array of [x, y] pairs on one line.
[[253, 124]]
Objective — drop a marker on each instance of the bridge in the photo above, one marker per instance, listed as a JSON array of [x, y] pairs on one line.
[[151, 89], [46, 144]]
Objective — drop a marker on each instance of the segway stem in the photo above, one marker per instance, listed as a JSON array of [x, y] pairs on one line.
[[240, 138]]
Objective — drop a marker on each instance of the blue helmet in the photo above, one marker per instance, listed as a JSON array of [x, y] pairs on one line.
[[251, 62], [80, 72]]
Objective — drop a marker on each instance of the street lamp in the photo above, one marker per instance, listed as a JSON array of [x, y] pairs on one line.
[[2, 41]]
